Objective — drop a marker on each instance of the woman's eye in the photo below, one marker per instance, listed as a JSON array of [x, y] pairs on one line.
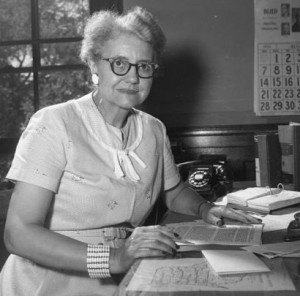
[[119, 63], [145, 67]]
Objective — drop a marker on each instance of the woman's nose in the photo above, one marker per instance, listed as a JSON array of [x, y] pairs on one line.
[[133, 74]]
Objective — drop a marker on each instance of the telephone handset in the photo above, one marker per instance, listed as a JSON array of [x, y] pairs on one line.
[[211, 179]]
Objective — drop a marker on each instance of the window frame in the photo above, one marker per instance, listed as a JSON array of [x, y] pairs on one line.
[[7, 144]]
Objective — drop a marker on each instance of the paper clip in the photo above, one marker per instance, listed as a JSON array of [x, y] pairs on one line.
[[280, 186]]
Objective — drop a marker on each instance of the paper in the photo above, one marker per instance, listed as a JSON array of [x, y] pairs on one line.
[[277, 222], [194, 274], [264, 199], [271, 222], [284, 249], [279, 200], [201, 233], [243, 196], [234, 262]]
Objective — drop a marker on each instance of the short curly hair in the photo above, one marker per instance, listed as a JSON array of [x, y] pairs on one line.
[[105, 25]]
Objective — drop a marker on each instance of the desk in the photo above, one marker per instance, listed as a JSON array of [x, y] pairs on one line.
[[292, 265]]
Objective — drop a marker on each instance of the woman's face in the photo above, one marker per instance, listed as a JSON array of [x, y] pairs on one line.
[[129, 90]]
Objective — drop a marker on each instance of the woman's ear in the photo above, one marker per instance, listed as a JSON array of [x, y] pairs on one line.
[[95, 77]]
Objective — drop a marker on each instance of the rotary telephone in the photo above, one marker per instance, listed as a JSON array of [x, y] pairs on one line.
[[211, 179]]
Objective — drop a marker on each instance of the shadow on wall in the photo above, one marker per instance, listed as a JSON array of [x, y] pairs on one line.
[[176, 89]]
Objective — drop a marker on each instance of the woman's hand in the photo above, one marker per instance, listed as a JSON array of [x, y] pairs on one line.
[[144, 242], [215, 214]]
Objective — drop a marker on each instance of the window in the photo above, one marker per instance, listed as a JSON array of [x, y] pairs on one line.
[[39, 61], [39, 49]]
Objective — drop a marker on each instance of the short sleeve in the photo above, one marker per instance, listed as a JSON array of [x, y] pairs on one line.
[[40, 155], [171, 173]]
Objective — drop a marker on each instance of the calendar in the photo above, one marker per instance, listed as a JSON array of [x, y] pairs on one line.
[[277, 58]]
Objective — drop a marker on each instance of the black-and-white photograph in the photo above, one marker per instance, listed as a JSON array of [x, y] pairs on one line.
[[149, 147]]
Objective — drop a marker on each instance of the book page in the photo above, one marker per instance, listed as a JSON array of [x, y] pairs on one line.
[[200, 233], [194, 274]]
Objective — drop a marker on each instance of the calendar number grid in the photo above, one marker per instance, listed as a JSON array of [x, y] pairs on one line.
[[279, 78]]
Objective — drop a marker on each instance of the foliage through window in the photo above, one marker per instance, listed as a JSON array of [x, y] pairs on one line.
[[39, 60]]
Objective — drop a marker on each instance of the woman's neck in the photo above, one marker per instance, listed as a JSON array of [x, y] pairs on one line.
[[112, 114]]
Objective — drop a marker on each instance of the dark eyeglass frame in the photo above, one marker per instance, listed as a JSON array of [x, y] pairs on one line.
[[112, 60]]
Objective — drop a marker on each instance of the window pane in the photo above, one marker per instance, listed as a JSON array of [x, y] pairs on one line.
[[60, 53], [17, 56], [16, 103], [57, 87], [15, 21], [62, 18]]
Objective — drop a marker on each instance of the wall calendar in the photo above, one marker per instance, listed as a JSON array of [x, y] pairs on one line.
[[277, 58]]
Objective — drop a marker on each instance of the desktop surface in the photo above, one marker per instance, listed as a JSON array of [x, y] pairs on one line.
[[292, 265]]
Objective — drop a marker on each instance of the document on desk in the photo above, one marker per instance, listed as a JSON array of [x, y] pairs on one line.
[[282, 249], [195, 274], [200, 233]]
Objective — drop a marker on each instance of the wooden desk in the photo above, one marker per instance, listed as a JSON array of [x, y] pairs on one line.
[[292, 265]]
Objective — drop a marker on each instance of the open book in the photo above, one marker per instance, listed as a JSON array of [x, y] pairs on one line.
[[263, 199]]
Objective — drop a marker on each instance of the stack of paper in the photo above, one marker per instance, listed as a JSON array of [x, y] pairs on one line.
[[263, 199], [234, 262], [242, 197], [270, 251]]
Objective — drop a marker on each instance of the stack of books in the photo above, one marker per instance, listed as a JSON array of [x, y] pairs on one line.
[[263, 199]]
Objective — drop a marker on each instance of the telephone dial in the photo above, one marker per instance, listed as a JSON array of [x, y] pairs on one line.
[[211, 179]]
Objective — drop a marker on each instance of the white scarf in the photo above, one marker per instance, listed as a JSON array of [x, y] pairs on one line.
[[122, 157]]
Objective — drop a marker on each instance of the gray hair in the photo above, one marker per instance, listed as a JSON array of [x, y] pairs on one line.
[[105, 25]]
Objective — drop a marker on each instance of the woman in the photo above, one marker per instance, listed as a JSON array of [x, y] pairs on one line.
[[87, 169]]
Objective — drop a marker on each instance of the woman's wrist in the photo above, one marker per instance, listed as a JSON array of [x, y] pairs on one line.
[[203, 207], [97, 261]]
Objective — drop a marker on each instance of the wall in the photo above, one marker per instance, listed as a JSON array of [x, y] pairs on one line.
[[208, 70]]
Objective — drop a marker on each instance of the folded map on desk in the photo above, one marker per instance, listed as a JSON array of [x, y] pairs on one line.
[[263, 199], [164, 276]]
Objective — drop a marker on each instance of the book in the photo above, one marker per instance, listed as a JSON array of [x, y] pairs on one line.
[[289, 138], [263, 199], [267, 159], [234, 262]]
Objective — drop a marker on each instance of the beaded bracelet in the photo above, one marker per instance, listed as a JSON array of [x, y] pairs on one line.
[[98, 261]]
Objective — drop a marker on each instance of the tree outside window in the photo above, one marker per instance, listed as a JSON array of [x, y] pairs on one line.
[[39, 62]]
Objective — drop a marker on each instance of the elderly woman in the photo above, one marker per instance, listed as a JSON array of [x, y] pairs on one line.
[[88, 169]]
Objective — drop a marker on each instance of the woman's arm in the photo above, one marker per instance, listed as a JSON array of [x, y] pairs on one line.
[[26, 236], [183, 199]]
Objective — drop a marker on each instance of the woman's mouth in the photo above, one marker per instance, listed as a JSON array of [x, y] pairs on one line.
[[128, 91]]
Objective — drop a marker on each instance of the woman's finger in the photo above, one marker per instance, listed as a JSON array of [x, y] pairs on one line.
[[216, 214], [240, 216]]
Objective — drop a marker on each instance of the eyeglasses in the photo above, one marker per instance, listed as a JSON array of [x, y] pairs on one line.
[[121, 67]]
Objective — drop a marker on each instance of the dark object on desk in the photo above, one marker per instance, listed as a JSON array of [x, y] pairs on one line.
[[267, 159], [293, 230], [211, 179], [289, 138]]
